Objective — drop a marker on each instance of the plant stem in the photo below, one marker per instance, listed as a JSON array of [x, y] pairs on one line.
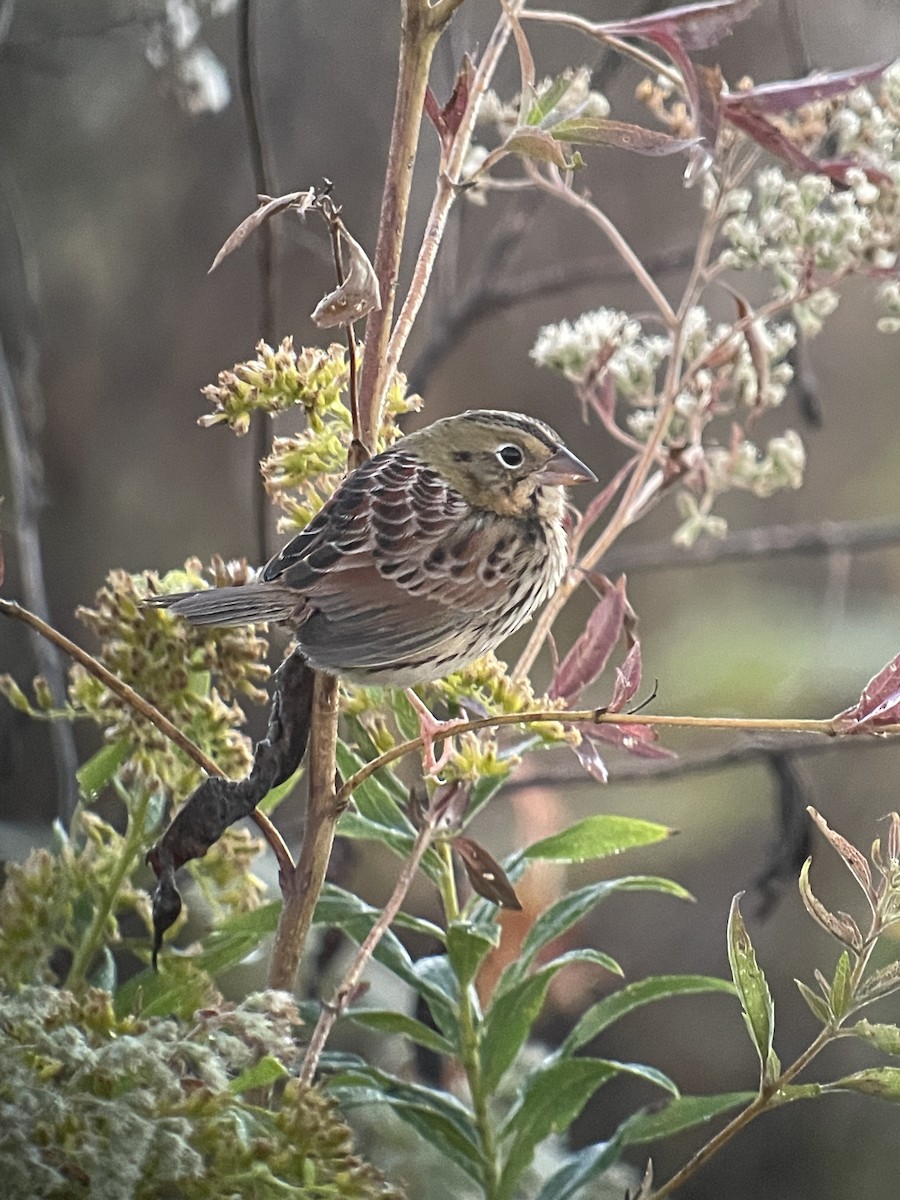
[[469, 1038], [346, 989], [446, 192], [132, 844], [301, 886], [419, 36], [825, 727]]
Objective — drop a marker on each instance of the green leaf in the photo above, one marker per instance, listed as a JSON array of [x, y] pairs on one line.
[[388, 1021], [634, 995], [565, 912], [684, 1112], [178, 988], [372, 798], [443, 1121], [262, 1074], [753, 990], [483, 790], [95, 774], [885, 1037], [579, 1169], [354, 825], [883, 1082], [817, 1005], [841, 995], [511, 1015], [272, 799], [236, 937], [547, 100], [434, 980], [468, 946], [600, 131], [553, 1098], [597, 837]]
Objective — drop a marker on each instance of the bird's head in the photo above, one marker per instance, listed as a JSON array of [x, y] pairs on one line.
[[501, 461]]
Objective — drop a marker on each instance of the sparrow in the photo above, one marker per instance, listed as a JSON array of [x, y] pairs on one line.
[[426, 557]]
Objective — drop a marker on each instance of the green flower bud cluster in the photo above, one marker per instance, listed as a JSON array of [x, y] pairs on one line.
[[191, 674]]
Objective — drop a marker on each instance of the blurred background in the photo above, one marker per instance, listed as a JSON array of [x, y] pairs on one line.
[[125, 165]]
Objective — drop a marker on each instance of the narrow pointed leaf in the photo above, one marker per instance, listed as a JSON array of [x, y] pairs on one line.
[[468, 945], [264, 1073], [443, 1121], [635, 995], [684, 1112], [753, 990], [817, 1005], [268, 207], [854, 861], [885, 1037], [697, 26], [883, 1082], [388, 1021], [553, 1098], [882, 982], [579, 1169], [790, 94], [599, 836], [840, 994], [600, 131], [592, 649], [95, 774], [511, 1016], [571, 908]]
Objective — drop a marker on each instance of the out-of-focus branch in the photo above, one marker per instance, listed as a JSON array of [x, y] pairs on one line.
[[489, 295], [26, 506], [263, 177], [809, 537]]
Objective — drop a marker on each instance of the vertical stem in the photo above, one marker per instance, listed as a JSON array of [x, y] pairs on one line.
[[418, 39], [301, 887], [94, 935], [469, 1039]]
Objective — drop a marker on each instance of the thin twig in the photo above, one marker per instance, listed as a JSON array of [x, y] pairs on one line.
[[263, 178], [592, 716], [345, 991], [135, 701]]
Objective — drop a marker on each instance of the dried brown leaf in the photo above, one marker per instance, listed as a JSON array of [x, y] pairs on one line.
[[357, 296], [485, 874], [299, 201], [855, 861]]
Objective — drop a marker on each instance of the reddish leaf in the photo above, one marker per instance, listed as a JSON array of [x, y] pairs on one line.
[[708, 113], [761, 129], [788, 95], [878, 705], [598, 131], [696, 26], [592, 649], [299, 201], [588, 754], [447, 120], [628, 679], [640, 740], [485, 874]]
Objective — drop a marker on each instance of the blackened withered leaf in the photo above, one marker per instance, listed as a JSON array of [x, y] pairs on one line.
[[218, 803]]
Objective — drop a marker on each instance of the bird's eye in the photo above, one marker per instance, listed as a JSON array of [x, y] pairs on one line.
[[511, 456]]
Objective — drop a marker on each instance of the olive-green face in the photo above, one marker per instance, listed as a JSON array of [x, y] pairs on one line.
[[491, 458]]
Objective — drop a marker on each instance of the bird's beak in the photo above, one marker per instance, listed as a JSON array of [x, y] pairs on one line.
[[564, 468]]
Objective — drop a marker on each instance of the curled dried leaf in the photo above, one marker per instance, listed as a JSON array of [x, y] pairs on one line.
[[357, 296], [855, 861], [268, 207], [840, 926]]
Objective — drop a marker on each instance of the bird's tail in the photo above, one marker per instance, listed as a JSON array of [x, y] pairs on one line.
[[243, 604]]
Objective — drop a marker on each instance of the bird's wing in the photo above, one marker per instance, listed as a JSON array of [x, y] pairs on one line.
[[398, 561]]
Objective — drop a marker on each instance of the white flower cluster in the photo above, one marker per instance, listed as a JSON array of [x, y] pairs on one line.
[[811, 226]]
